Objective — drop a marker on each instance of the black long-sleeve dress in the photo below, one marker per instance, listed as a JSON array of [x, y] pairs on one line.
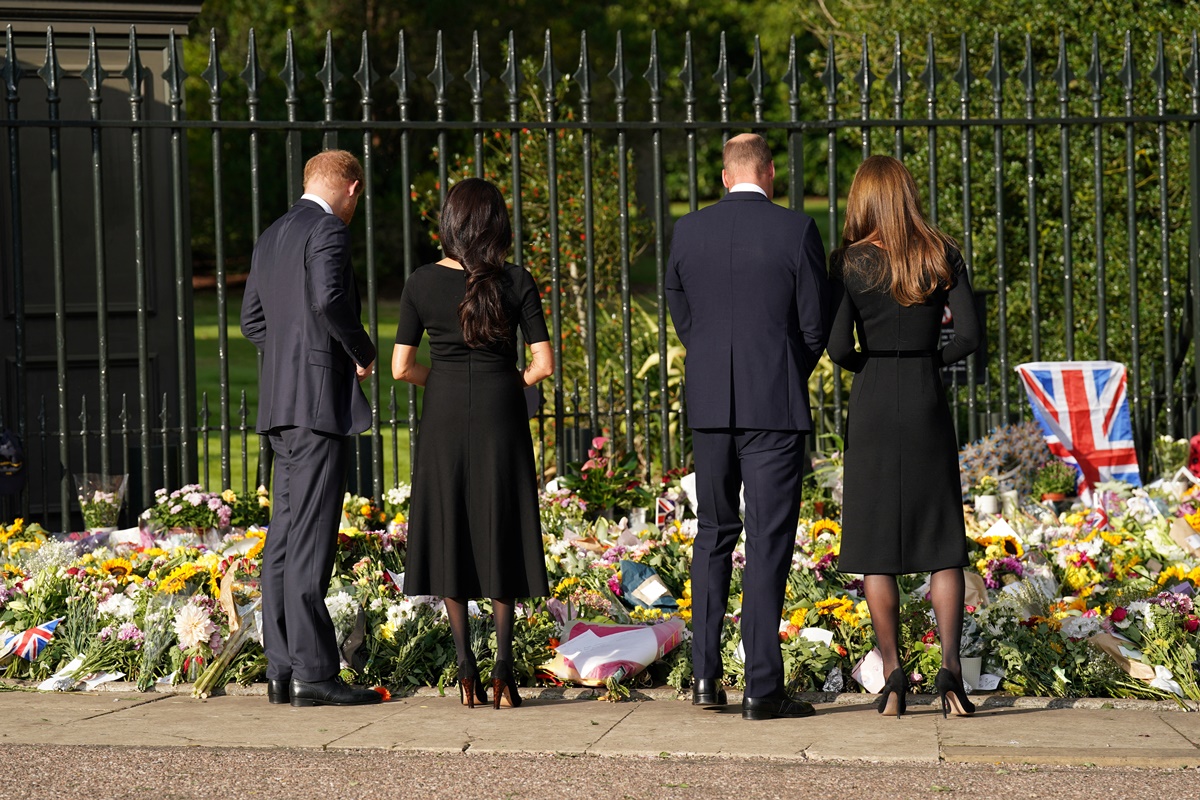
[[902, 497], [474, 529]]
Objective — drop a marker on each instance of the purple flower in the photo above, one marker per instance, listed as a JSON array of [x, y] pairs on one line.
[[739, 559], [129, 632], [106, 633]]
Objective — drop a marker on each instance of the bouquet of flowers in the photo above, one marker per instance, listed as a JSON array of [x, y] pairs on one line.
[[246, 509], [100, 498], [606, 482], [362, 514], [188, 507]]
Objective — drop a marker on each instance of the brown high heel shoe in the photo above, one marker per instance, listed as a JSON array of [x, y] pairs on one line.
[[504, 686], [470, 688]]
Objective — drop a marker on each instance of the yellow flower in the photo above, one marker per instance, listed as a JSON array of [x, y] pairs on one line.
[[565, 585], [17, 547], [1174, 573], [387, 632], [177, 580], [1112, 537], [256, 549], [118, 567], [365, 511], [825, 526], [228, 496], [798, 618]]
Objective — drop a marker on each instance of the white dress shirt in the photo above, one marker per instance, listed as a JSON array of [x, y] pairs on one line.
[[329, 209], [743, 187]]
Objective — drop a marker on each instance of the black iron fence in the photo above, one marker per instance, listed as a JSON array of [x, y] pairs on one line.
[[1076, 208]]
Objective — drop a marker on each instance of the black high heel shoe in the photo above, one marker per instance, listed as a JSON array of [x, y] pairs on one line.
[[470, 688], [504, 686], [953, 694], [892, 700]]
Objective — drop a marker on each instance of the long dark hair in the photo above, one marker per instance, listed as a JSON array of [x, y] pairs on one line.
[[476, 233]]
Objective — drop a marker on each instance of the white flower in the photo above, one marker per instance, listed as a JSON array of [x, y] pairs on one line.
[[193, 626], [119, 605], [343, 610], [397, 494], [399, 613], [1080, 627]]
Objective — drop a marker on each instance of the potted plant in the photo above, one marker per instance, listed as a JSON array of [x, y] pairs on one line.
[[987, 501], [1056, 481], [608, 484]]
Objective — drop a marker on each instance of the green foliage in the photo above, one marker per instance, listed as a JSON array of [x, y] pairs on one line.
[[606, 482], [1138, 274], [1057, 477]]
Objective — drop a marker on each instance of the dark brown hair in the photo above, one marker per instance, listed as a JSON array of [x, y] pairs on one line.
[[476, 232], [883, 207]]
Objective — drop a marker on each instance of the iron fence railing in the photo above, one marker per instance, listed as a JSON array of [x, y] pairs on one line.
[[1078, 213]]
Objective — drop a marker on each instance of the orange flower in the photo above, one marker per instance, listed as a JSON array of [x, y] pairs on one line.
[[384, 693]]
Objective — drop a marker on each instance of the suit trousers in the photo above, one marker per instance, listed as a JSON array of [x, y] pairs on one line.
[[769, 464], [310, 479]]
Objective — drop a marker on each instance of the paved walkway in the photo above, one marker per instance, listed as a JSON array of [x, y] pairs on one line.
[[1140, 735]]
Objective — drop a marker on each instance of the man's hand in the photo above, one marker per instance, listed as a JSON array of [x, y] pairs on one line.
[[364, 372]]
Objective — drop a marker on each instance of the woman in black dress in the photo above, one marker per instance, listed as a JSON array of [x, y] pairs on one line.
[[473, 528], [902, 505]]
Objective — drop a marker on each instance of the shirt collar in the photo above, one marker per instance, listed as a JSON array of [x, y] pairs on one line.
[[747, 187], [328, 208]]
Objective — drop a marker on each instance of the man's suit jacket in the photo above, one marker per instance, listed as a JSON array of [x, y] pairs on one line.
[[301, 309], [747, 288]]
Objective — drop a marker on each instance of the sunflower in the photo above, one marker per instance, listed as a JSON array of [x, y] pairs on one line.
[[118, 567], [176, 580], [822, 526], [256, 549]]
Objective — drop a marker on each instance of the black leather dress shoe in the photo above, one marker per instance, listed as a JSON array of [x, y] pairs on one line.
[[708, 692], [279, 690], [775, 706], [331, 693]]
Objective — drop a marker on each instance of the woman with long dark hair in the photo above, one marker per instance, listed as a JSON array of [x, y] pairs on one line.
[[473, 528], [892, 277]]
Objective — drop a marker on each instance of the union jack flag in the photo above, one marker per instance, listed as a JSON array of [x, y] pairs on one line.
[[1084, 413], [29, 644]]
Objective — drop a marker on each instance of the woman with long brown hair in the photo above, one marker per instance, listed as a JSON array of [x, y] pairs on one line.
[[892, 278], [473, 527]]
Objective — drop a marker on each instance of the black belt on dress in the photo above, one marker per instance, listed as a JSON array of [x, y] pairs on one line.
[[899, 353]]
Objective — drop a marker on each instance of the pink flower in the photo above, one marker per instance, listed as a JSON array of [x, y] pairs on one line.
[[599, 442]]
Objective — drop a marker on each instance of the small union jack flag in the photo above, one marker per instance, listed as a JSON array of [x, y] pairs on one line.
[[29, 644], [1084, 413]]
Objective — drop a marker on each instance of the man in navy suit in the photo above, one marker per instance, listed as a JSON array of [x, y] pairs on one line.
[[302, 311], [747, 289]]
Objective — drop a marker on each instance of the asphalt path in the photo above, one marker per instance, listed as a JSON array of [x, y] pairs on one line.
[[51, 772]]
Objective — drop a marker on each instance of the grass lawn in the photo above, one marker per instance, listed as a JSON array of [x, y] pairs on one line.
[[243, 376]]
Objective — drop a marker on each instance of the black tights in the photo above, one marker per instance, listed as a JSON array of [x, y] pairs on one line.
[[504, 612], [946, 589]]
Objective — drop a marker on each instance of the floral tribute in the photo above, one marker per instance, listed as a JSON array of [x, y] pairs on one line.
[[1080, 601]]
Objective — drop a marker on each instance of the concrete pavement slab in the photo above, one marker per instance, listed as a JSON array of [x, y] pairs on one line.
[[1059, 736], [50, 717], [1186, 725], [443, 724], [860, 733], [679, 728]]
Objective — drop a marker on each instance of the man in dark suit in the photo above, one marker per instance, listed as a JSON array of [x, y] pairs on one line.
[[747, 290], [302, 310]]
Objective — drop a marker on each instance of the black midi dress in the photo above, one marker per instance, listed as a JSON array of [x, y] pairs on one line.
[[473, 527], [902, 497]]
